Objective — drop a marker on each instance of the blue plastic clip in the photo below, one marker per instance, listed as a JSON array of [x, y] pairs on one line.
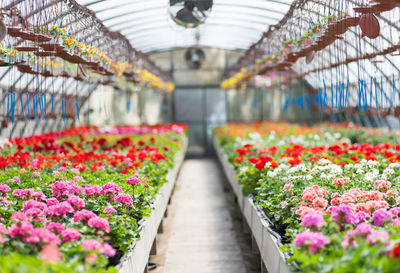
[[22, 105]]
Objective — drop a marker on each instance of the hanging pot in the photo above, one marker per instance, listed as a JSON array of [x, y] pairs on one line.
[[397, 111], [83, 71], [310, 57], [13, 31], [3, 30], [369, 25], [27, 48], [49, 46], [385, 113], [43, 38], [45, 53], [351, 21]]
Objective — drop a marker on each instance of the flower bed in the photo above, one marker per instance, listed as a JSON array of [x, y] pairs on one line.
[[74, 201], [333, 199]]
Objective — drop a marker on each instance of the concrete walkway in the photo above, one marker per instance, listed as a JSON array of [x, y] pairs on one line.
[[199, 236]]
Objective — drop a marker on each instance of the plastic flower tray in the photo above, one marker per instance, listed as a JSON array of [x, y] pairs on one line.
[[136, 260], [266, 239]]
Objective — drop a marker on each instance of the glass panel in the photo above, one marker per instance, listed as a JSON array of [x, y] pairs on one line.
[[188, 105]]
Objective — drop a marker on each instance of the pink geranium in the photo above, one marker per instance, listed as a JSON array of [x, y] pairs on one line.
[[70, 234], [109, 210], [340, 182], [124, 199], [99, 223], [313, 221], [311, 241], [84, 215], [380, 216], [23, 193], [42, 236], [343, 214], [133, 180], [21, 230], [382, 185], [57, 228], [59, 210], [111, 189], [76, 202], [93, 190]]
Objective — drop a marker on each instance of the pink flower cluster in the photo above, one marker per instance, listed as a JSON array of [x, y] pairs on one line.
[[93, 190], [311, 241], [92, 244], [124, 199], [84, 216], [99, 223], [313, 200], [313, 221], [382, 185], [4, 189], [340, 182], [133, 180], [42, 236], [24, 194], [109, 210], [367, 201], [59, 210], [70, 234], [111, 190], [63, 189], [76, 202]]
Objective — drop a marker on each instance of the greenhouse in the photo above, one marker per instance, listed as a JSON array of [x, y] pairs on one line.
[[199, 136]]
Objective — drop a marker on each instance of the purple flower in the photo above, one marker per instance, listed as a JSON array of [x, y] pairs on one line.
[[36, 174], [312, 220], [360, 217], [343, 214], [310, 240], [395, 211], [380, 216]]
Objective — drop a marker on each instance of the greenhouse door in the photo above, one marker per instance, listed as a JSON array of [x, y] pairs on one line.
[[201, 109]]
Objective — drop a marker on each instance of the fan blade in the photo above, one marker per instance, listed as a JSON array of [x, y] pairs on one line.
[[203, 5], [186, 16], [174, 2]]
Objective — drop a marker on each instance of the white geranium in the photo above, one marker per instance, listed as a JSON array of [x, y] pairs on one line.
[[359, 171], [324, 161]]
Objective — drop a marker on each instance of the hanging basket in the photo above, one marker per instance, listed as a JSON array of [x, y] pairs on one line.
[[27, 48], [310, 57], [13, 31], [45, 53], [3, 30], [369, 25]]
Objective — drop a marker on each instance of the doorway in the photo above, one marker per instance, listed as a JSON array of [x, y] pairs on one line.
[[202, 109]]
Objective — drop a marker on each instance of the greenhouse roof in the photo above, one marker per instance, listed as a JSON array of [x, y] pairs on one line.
[[230, 25]]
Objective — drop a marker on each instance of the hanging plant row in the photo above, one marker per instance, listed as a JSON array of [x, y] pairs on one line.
[[28, 41], [73, 201], [331, 192], [319, 36]]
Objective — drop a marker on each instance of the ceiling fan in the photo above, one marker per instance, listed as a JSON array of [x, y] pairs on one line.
[[190, 13]]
